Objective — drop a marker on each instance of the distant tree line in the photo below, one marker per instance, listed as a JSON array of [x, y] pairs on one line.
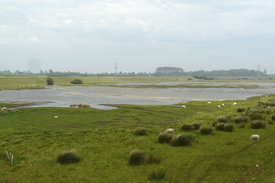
[[160, 71]]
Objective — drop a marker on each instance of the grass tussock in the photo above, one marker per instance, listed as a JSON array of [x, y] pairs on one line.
[[223, 119], [257, 124], [140, 131], [196, 126], [228, 127], [164, 137], [187, 127], [182, 140], [137, 157], [206, 130], [157, 175], [219, 126], [241, 110], [240, 119], [67, 157]]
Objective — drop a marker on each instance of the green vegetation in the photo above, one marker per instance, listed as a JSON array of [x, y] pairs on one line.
[[186, 86], [50, 81], [206, 130], [140, 131], [77, 81], [157, 175], [187, 127], [182, 140], [228, 127], [103, 140], [39, 82], [67, 157], [137, 157]]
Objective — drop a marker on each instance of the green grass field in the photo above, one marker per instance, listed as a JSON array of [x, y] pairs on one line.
[[104, 139], [15, 83]]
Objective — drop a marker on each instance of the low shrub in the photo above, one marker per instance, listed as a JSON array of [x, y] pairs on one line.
[[240, 110], [49, 81], [206, 130], [76, 81], [219, 126], [258, 124], [270, 122], [156, 175], [164, 137], [256, 116], [223, 119], [228, 127], [242, 125], [273, 117], [137, 157], [196, 126], [140, 131], [187, 127], [153, 159], [67, 157], [214, 123], [240, 119], [182, 140]]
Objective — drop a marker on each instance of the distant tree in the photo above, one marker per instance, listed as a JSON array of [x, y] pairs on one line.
[[49, 81]]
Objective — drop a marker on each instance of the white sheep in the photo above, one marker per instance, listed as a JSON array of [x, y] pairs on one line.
[[219, 106], [183, 106], [223, 105], [209, 102], [56, 117], [255, 137], [235, 103], [4, 108], [169, 130]]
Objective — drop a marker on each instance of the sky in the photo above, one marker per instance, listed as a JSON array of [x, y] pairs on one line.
[[139, 35]]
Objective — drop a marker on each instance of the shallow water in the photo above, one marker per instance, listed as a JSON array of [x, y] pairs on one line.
[[95, 96]]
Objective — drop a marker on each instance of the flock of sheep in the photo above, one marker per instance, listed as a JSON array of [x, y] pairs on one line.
[[252, 137], [169, 130]]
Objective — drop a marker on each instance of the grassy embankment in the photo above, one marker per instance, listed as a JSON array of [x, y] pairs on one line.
[[103, 140], [15, 83]]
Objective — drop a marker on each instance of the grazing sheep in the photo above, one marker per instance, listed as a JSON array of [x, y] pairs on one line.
[[56, 117], [255, 137], [183, 106], [169, 130], [4, 108], [235, 103], [219, 106], [223, 105], [209, 102]]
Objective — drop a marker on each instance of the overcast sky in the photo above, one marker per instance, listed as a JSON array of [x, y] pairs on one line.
[[139, 35]]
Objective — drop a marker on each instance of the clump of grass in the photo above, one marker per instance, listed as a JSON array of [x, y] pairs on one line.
[[240, 110], [76, 81], [242, 125], [153, 159], [67, 157], [222, 119], [157, 175], [273, 117], [270, 122], [206, 130], [240, 119], [219, 126], [228, 127], [182, 140], [140, 131], [196, 126], [137, 157], [49, 81], [187, 127], [258, 124], [256, 116], [164, 137]]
